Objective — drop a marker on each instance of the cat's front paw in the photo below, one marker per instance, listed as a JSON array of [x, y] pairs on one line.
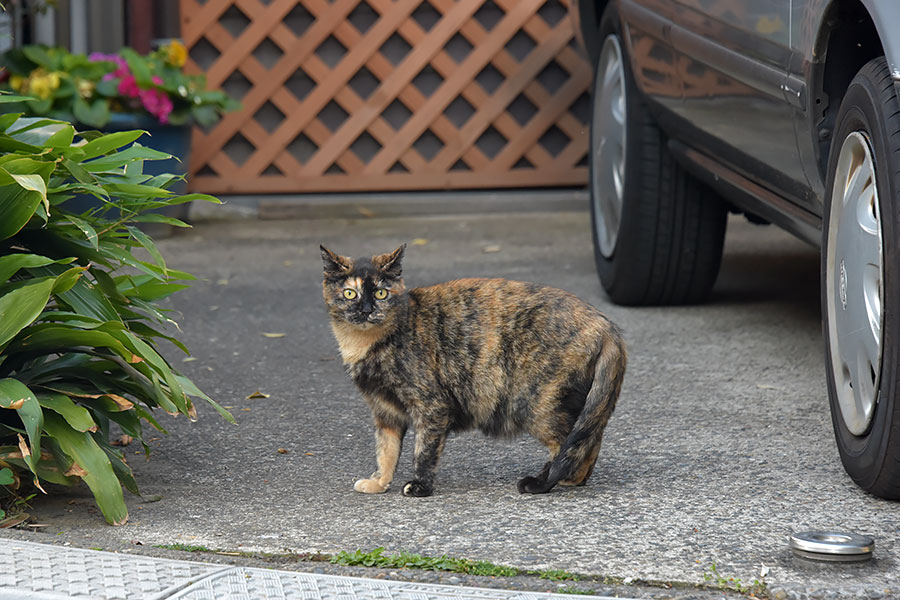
[[369, 486], [417, 489]]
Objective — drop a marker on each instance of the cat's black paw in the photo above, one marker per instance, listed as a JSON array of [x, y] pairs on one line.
[[417, 489], [532, 485]]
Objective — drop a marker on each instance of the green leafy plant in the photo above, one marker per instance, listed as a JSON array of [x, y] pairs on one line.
[[79, 320], [88, 89], [377, 558]]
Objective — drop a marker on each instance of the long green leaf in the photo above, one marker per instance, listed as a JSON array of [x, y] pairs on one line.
[[20, 307], [144, 240], [108, 143], [15, 395], [99, 474], [11, 263], [191, 388], [78, 417]]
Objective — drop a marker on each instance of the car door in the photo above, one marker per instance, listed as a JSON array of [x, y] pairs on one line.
[[737, 100]]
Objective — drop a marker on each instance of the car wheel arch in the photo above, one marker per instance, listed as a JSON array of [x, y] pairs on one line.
[[847, 38]]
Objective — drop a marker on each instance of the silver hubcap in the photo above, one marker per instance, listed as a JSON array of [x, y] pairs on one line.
[[608, 149], [853, 283]]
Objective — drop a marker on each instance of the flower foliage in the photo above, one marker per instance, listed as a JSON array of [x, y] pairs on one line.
[[87, 89], [79, 320]]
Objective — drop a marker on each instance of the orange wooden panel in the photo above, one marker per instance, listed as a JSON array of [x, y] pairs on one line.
[[406, 138]]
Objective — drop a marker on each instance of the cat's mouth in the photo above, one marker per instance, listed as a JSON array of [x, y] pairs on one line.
[[366, 321]]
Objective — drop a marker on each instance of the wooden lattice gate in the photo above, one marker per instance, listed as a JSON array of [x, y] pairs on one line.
[[353, 95]]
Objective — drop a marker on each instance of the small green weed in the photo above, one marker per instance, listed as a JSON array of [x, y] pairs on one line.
[[377, 558], [556, 575], [714, 579]]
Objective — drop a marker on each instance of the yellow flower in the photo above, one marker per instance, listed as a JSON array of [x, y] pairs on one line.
[[43, 84], [176, 53], [16, 82]]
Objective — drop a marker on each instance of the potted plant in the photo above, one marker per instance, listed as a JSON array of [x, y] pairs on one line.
[[118, 92]]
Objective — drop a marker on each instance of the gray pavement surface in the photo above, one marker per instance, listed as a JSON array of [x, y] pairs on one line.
[[720, 447]]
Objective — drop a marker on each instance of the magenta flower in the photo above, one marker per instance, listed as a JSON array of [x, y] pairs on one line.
[[128, 86], [157, 103]]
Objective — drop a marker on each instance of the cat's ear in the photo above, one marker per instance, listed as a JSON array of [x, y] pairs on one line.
[[335, 265], [389, 264]]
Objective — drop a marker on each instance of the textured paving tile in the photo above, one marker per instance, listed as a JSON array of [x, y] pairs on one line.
[[45, 572]]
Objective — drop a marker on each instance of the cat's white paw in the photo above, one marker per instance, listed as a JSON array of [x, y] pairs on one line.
[[369, 486]]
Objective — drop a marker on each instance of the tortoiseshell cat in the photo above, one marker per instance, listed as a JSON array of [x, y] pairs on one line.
[[502, 356]]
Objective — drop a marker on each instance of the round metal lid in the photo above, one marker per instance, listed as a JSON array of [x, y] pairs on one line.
[[832, 545]]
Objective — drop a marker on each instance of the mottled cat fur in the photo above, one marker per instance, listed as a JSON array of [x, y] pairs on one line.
[[501, 356]]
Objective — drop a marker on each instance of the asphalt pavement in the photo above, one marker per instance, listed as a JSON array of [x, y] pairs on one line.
[[719, 449]]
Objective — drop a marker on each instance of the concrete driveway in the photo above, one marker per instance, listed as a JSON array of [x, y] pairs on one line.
[[720, 447]]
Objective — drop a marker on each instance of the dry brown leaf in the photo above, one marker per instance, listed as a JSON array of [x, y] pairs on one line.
[[122, 403], [135, 359], [23, 447], [123, 440], [257, 394], [273, 335], [282, 451], [308, 454], [365, 211], [13, 521], [75, 471], [17, 404]]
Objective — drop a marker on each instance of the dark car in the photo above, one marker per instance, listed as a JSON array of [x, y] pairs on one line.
[[787, 111]]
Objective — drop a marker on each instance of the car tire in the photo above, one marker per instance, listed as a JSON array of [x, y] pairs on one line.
[[658, 232], [860, 297]]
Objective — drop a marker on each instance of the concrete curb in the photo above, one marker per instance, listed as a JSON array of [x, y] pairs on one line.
[[48, 572], [382, 205]]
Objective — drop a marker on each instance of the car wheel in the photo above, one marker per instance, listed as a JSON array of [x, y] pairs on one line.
[[658, 232], [860, 296]]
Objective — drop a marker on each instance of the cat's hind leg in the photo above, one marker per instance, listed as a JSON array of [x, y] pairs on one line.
[[553, 441], [388, 442], [584, 470]]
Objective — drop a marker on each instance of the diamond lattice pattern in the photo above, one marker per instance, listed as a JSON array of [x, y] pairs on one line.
[[351, 95]]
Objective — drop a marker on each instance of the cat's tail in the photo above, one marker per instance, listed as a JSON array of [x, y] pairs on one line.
[[574, 462]]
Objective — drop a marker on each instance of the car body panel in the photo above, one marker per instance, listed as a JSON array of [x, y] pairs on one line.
[[709, 66]]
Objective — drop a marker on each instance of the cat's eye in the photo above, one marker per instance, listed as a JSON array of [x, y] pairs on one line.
[[350, 294], [381, 294]]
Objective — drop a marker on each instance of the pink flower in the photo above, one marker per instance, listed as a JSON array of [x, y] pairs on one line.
[[128, 86], [157, 103]]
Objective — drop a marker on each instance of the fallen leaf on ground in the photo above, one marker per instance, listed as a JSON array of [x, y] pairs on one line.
[[274, 335], [365, 211], [222, 282], [419, 242], [308, 454], [490, 249], [229, 553], [246, 409], [282, 451], [13, 521], [123, 440], [189, 359], [257, 394]]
